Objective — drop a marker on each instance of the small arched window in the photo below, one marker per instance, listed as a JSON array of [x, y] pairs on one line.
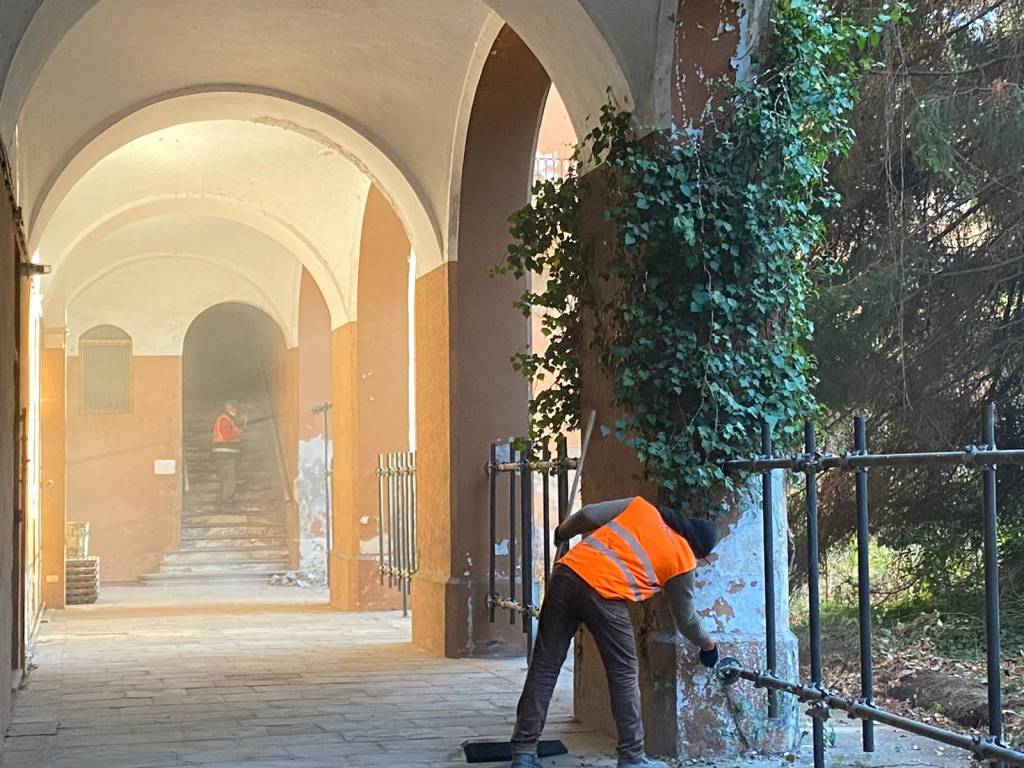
[[105, 355]]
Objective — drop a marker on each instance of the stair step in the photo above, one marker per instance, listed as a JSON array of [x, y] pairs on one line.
[[157, 579], [247, 542], [213, 532], [218, 566], [232, 556]]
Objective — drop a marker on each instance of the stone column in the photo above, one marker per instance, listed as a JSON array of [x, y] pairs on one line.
[[53, 466], [685, 712]]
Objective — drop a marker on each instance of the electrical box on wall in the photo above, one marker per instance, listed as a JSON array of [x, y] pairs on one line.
[[165, 467]]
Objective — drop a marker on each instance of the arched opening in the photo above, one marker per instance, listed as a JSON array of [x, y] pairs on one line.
[[236, 500]]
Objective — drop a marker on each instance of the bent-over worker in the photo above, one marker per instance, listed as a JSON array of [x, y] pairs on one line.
[[634, 550]]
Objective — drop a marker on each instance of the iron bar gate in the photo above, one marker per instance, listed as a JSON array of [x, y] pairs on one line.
[[986, 458], [396, 521], [513, 526]]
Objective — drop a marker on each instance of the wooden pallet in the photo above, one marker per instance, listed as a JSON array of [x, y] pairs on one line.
[[82, 580]]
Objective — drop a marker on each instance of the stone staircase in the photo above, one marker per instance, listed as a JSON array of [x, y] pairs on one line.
[[247, 542]]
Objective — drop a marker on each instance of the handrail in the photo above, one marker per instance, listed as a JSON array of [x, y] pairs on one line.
[[282, 467]]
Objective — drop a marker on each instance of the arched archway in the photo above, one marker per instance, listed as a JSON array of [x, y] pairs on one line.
[[237, 516]]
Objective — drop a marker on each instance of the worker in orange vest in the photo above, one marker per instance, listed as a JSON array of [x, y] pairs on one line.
[[227, 448], [632, 550]]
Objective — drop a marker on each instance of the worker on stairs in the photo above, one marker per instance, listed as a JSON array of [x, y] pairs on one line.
[[632, 550], [227, 448]]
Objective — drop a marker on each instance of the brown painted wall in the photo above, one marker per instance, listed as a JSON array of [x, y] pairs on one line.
[[8, 454], [704, 52], [53, 468], [134, 513]]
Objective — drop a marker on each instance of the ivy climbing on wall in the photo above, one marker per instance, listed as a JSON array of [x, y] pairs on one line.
[[700, 317]]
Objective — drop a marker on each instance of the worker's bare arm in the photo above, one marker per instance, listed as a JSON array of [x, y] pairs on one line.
[[679, 592], [590, 518]]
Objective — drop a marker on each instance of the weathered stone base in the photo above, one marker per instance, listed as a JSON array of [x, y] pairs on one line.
[[450, 618], [355, 586], [687, 713]]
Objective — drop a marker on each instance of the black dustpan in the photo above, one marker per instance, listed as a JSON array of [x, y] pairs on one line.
[[501, 751]]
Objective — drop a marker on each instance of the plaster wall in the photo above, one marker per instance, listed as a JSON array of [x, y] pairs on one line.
[[314, 366], [53, 471], [111, 482], [155, 301], [8, 450], [243, 172]]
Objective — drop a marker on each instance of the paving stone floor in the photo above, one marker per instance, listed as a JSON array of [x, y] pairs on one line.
[[161, 677]]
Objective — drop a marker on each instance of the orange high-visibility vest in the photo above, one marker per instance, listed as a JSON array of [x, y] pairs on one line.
[[633, 556]]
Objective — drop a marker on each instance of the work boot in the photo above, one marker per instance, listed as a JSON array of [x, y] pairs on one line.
[[528, 761], [643, 762]]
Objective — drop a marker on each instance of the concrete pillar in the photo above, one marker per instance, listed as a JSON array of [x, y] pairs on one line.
[[346, 562], [685, 713], [372, 377], [53, 467], [466, 333]]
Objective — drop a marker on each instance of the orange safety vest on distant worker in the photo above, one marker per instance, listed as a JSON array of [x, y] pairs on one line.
[[225, 430], [631, 557]]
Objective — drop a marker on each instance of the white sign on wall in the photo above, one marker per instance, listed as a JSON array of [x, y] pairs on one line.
[[165, 467]]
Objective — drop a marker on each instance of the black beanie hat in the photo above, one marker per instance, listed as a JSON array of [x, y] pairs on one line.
[[701, 534]]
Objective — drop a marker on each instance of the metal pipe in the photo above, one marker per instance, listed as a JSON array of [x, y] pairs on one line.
[[492, 480], [991, 553], [511, 536], [515, 606], [860, 445], [392, 519], [813, 596], [381, 490], [526, 507], [415, 562], [563, 479], [981, 749], [768, 522], [972, 456], [546, 510], [402, 536], [537, 466]]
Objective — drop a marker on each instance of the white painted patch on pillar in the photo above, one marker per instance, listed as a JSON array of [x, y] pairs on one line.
[[312, 496]]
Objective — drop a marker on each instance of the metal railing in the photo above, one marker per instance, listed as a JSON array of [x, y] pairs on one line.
[[986, 458], [514, 537], [396, 521]]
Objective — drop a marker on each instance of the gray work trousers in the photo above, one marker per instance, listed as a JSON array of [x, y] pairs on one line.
[[227, 472], [569, 602]]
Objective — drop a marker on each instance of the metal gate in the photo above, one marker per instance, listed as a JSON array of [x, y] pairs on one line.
[[396, 521], [985, 458]]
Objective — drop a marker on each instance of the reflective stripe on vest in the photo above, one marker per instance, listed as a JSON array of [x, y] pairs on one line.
[[621, 565], [632, 556], [640, 552]]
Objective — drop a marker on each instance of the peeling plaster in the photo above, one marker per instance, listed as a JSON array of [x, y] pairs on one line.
[[312, 497]]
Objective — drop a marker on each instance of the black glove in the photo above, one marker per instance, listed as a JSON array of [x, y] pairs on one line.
[[709, 658], [559, 541]]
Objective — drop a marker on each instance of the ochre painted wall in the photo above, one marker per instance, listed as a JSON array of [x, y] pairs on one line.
[[134, 513], [8, 452], [345, 560], [53, 469]]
